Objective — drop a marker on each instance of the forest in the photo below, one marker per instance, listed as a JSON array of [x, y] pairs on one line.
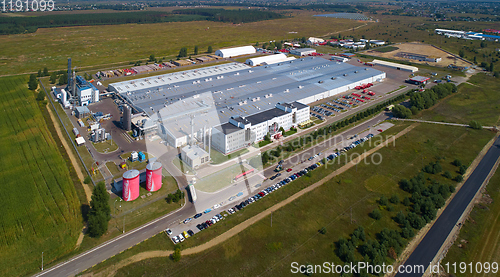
[[232, 16], [19, 25]]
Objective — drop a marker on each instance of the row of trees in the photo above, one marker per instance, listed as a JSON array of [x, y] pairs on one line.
[[184, 51], [175, 197], [424, 100]]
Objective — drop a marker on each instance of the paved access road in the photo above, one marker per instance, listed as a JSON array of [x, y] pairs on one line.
[[434, 239]]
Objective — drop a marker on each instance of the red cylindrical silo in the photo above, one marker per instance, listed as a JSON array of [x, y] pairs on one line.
[[153, 176], [130, 190]]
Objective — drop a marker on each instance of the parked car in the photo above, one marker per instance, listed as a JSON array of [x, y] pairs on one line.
[[176, 239], [288, 170], [197, 215], [187, 220], [168, 231]]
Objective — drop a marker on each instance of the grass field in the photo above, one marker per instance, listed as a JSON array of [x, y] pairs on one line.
[[294, 233], [105, 146], [217, 157], [479, 237], [40, 208], [478, 101], [220, 179], [88, 46]]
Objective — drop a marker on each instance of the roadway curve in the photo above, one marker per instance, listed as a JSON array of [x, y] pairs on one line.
[[437, 235]]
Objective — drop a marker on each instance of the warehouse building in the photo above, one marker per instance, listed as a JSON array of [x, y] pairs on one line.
[[191, 103], [397, 66], [269, 59], [235, 51], [302, 51]]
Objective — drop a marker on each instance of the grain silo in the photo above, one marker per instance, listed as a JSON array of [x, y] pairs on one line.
[[130, 190], [153, 176], [127, 118]]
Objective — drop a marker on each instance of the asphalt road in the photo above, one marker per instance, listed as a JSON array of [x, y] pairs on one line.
[[434, 239]]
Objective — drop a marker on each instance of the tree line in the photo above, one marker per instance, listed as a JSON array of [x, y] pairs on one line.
[[18, 25], [427, 196], [232, 16]]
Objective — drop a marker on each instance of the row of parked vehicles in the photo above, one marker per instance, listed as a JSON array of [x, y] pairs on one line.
[[292, 177]]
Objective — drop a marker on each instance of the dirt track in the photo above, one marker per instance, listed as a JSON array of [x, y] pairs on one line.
[[88, 192], [242, 226]]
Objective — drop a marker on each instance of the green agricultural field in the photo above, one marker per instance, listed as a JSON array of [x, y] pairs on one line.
[[40, 207], [111, 45], [476, 100], [294, 233]]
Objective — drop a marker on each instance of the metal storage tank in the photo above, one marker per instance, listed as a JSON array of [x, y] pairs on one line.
[[153, 176], [130, 183], [127, 118]]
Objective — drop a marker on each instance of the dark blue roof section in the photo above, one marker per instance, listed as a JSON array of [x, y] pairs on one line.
[[82, 83], [490, 36]]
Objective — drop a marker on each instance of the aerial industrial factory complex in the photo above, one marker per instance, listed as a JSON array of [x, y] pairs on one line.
[[234, 104]]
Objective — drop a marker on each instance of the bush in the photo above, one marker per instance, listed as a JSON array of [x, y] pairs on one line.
[[176, 256], [458, 178], [462, 169], [40, 96], [322, 230], [447, 174], [394, 199], [383, 200], [475, 125], [376, 214], [457, 162], [406, 201], [87, 180], [33, 83]]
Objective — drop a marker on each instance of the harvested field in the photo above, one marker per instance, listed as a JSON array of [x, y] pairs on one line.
[[420, 49]]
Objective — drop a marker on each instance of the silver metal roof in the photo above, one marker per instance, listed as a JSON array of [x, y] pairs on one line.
[[219, 92]]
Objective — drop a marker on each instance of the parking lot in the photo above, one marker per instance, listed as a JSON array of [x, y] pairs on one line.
[[292, 170]]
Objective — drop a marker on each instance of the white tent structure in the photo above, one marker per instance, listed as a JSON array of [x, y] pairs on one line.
[[269, 59], [235, 51]]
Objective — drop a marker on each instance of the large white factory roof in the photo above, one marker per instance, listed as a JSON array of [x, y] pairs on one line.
[[396, 65], [269, 59], [235, 51]]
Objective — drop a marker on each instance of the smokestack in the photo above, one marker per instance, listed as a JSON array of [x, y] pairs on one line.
[[69, 87]]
